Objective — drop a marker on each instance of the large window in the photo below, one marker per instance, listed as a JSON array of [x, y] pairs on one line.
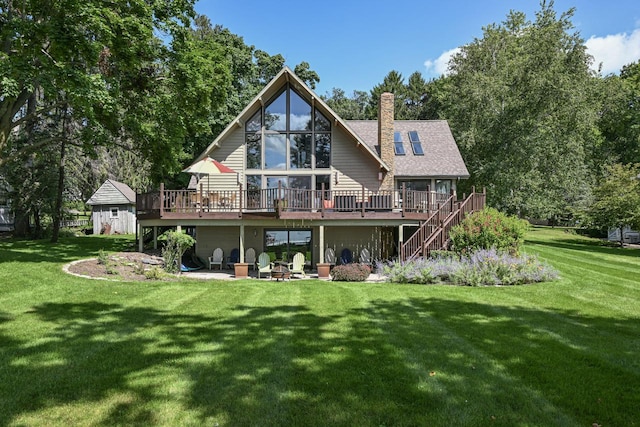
[[284, 244], [288, 134]]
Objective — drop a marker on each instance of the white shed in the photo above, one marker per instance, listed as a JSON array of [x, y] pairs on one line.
[[114, 204]]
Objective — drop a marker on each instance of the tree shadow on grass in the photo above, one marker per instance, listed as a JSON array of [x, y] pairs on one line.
[[408, 362], [67, 249]]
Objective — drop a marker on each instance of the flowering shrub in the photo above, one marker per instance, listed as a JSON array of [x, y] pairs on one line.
[[487, 229], [353, 272], [480, 268]]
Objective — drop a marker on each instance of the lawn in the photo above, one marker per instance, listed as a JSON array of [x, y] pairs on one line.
[[83, 352]]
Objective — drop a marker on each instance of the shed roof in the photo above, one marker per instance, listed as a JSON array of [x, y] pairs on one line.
[[441, 157], [113, 192]]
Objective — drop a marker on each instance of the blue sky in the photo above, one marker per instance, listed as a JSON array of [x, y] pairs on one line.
[[352, 45]]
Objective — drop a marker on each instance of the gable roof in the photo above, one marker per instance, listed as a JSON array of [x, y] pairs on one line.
[[113, 192], [287, 76], [441, 154]]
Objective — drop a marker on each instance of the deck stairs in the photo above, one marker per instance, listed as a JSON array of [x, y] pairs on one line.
[[433, 234]]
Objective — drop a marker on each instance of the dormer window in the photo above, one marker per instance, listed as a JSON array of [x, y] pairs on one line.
[[398, 148], [416, 145]]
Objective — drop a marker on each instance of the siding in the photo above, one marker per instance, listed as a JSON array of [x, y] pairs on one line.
[[355, 166], [231, 154], [124, 224], [355, 238]]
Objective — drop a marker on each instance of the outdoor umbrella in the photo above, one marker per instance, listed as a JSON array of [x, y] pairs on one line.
[[207, 166]]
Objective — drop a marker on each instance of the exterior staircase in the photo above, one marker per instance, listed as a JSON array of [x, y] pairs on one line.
[[433, 234]]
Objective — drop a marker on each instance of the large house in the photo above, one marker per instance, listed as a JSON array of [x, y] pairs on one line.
[[299, 178]]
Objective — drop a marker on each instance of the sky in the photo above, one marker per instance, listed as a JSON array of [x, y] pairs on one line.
[[353, 45]]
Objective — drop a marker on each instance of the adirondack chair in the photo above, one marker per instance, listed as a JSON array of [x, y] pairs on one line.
[[365, 257], [250, 257], [297, 266], [216, 259], [330, 257], [346, 257], [264, 264], [233, 258]]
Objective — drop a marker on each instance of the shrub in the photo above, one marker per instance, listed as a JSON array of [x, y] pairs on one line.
[[103, 257], [480, 268], [177, 244], [154, 273], [351, 272], [487, 229], [492, 268]]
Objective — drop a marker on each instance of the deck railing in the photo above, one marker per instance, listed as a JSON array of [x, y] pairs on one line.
[[282, 199]]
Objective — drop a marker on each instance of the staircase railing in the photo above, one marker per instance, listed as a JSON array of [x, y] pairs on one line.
[[414, 245], [433, 234]]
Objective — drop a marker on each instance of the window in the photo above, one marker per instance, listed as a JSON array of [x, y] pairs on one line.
[[416, 145], [114, 212], [398, 148], [300, 151], [287, 134], [284, 244]]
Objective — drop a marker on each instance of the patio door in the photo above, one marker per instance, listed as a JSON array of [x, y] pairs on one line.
[[284, 244]]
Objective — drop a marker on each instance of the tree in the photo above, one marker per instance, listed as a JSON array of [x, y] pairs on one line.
[[393, 83], [620, 121], [101, 71], [522, 107], [348, 108], [617, 199]]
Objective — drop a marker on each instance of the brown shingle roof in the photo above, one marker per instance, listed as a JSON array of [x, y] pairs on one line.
[[441, 154]]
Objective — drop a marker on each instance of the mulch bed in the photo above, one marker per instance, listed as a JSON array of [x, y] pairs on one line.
[[120, 266]]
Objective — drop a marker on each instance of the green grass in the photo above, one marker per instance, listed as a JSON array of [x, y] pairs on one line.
[[84, 352]]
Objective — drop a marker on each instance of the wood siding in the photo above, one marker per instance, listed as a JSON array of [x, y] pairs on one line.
[[125, 223]]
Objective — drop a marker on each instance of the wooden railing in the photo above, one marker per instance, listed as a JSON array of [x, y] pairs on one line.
[[433, 234], [281, 200]]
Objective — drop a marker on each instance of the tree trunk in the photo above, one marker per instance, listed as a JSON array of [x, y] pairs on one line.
[[621, 236], [57, 212]]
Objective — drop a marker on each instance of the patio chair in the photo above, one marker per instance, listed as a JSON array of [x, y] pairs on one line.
[[216, 258], [346, 257], [250, 257], [233, 257], [264, 264], [330, 257], [297, 266], [365, 257]]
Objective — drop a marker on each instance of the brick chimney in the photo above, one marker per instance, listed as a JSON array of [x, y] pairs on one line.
[[385, 137]]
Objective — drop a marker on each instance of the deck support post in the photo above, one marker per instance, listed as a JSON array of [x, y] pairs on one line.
[[241, 243], [141, 238], [155, 237], [321, 242]]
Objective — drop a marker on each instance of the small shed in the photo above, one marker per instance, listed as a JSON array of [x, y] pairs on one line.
[[113, 208]]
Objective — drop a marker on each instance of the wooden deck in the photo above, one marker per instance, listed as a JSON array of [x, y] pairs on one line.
[[289, 203]]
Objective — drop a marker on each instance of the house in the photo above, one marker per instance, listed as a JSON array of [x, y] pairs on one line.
[[307, 180], [113, 208], [6, 214]]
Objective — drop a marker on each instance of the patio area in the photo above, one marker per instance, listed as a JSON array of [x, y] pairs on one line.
[[228, 274]]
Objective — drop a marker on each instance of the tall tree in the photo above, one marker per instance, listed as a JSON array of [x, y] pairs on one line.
[[348, 108], [620, 122], [393, 83], [104, 66], [523, 113]]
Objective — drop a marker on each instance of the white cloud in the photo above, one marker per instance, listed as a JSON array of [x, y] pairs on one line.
[[614, 51], [439, 66]]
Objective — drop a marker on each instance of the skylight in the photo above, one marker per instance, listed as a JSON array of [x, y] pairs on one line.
[[416, 145], [398, 148]]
